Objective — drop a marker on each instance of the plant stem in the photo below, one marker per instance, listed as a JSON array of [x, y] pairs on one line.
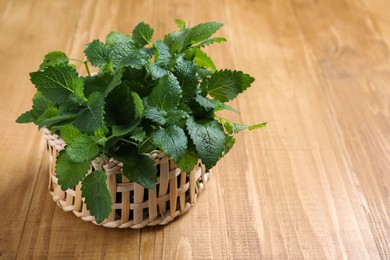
[[129, 142], [87, 68]]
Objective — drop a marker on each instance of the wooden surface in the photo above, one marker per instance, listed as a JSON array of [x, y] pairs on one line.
[[313, 184]]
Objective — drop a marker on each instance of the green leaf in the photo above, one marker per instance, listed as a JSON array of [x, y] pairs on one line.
[[137, 167], [69, 132], [156, 115], [202, 60], [166, 94], [175, 41], [97, 195], [156, 71], [120, 130], [172, 141], [230, 141], [57, 82], [222, 106], [239, 127], [202, 32], [119, 51], [225, 85], [56, 119], [186, 73], [138, 105], [97, 53], [82, 148], [181, 24], [205, 102], [116, 81], [54, 58], [94, 83], [138, 134], [26, 117], [137, 59], [91, 118], [114, 37], [142, 34], [122, 106], [162, 54], [70, 173], [174, 116], [209, 139], [210, 41], [188, 162]]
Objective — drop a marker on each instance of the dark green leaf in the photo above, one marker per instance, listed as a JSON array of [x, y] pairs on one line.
[[94, 83], [54, 58], [137, 167], [156, 115], [57, 82], [205, 102], [120, 130], [56, 119], [70, 173], [166, 94], [172, 141], [186, 73], [97, 53], [121, 106], [82, 148], [225, 85], [137, 59], [142, 34], [26, 117], [91, 118], [119, 51], [156, 71], [209, 139], [97, 195], [138, 134], [116, 81], [163, 56]]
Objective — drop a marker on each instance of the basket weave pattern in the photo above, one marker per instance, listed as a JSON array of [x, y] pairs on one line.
[[133, 206]]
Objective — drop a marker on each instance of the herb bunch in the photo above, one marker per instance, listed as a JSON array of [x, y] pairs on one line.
[[147, 95]]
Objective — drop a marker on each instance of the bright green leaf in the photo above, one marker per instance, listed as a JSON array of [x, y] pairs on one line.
[[202, 32], [181, 24], [202, 60], [69, 132]]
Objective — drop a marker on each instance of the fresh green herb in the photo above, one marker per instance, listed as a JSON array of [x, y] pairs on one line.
[[147, 95]]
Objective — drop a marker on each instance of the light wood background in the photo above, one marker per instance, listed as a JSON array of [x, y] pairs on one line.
[[313, 184]]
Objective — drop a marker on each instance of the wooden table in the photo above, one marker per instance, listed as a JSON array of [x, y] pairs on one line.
[[313, 184]]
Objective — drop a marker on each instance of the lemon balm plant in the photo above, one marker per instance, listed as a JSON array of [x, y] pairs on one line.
[[147, 95]]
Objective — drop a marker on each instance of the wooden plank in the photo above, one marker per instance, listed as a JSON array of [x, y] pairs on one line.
[[312, 184]]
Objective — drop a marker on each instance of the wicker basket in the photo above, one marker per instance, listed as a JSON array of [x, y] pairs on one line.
[[133, 206]]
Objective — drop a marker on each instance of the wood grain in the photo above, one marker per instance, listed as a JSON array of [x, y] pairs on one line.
[[313, 184]]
